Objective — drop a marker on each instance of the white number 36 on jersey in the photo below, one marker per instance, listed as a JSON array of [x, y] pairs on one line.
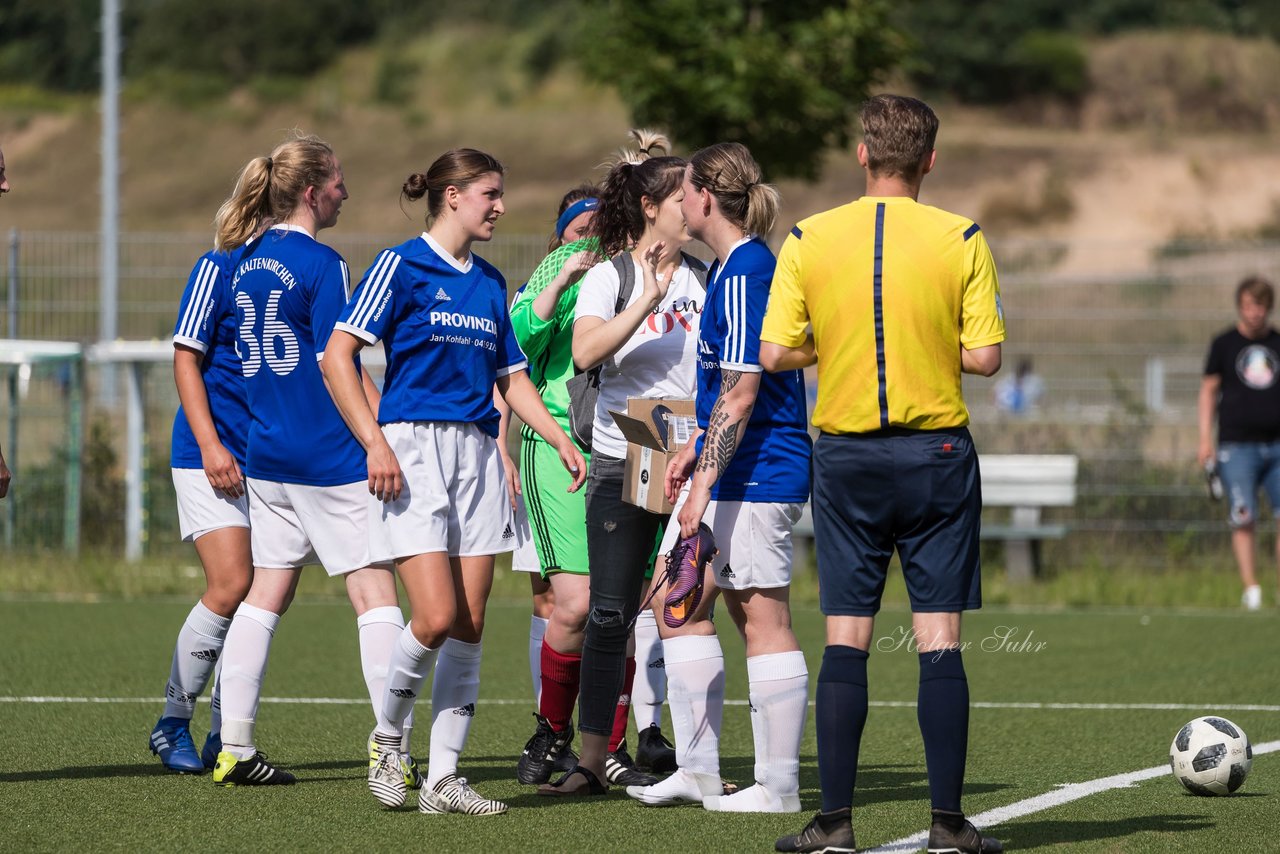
[[279, 345]]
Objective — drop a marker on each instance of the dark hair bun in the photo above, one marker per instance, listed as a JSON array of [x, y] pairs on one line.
[[415, 186]]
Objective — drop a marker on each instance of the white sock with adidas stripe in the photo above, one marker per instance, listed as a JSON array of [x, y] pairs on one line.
[[453, 705], [407, 672], [194, 657], [778, 689], [537, 631], [695, 693], [649, 691], [379, 630], [244, 664]]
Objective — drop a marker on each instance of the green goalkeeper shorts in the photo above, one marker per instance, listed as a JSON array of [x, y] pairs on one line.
[[558, 517]]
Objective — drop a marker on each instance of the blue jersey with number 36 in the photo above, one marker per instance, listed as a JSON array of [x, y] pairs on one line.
[[207, 324], [289, 290]]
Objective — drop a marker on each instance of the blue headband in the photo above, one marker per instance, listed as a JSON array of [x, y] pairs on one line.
[[573, 212]]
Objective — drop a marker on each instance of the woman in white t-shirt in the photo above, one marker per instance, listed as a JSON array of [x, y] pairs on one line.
[[648, 349]]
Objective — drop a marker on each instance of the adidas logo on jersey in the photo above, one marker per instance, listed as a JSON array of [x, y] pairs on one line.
[[402, 692], [727, 572], [507, 533], [442, 296], [467, 711], [205, 654], [660, 663]]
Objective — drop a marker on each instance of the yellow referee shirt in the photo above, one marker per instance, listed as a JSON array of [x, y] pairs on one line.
[[893, 289]]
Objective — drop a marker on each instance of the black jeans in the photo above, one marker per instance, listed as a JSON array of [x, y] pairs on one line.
[[620, 543]]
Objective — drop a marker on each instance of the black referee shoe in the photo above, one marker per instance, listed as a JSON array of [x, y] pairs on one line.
[[952, 834], [828, 833]]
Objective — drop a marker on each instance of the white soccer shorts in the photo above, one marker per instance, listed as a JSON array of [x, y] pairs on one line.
[[202, 509], [753, 538], [297, 525], [525, 558], [454, 498]]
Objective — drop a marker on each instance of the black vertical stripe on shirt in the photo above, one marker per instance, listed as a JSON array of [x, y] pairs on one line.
[[878, 298]]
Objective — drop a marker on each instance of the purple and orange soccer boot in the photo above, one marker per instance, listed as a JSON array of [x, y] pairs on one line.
[[686, 564]]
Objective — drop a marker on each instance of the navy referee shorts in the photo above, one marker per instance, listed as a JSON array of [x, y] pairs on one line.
[[917, 491]]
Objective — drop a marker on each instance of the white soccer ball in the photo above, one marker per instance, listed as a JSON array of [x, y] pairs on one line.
[[1211, 756]]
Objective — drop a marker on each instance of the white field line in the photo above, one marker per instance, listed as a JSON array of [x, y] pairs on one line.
[[1064, 794], [7, 597], [1207, 708]]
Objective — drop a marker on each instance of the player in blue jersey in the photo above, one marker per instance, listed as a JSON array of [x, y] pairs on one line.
[[207, 457], [437, 498], [748, 477], [304, 470]]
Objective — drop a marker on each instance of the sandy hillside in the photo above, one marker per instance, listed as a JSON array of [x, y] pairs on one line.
[[1112, 196]]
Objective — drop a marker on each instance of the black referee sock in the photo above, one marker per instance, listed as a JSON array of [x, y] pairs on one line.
[[943, 711], [840, 715]]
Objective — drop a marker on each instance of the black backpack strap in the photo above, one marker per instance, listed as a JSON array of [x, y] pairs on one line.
[[626, 284], [626, 280], [698, 268]]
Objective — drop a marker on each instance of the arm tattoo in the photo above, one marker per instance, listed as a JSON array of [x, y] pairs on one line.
[[726, 444], [721, 441]]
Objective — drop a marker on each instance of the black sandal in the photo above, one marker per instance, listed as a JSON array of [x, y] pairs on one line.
[[560, 788]]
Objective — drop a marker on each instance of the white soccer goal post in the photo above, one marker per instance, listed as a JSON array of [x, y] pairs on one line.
[[19, 359]]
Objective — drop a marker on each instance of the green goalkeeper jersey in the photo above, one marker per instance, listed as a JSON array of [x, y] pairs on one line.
[[548, 344]]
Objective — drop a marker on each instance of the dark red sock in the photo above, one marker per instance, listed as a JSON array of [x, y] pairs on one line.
[[560, 676], [623, 710]]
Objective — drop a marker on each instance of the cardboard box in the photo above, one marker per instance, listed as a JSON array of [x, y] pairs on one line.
[[656, 430]]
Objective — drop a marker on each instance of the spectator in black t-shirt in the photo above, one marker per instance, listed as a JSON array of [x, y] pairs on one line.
[[1242, 385]]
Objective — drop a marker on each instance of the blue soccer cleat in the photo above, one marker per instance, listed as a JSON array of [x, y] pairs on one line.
[[212, 747], [171, 741]]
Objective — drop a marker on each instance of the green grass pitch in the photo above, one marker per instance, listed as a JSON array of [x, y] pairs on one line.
[[79, 775]]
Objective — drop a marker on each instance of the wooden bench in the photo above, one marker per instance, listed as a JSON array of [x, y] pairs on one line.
[[1025, 483]]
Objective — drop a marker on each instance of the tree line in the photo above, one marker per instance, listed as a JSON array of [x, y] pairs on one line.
[[787, 75]]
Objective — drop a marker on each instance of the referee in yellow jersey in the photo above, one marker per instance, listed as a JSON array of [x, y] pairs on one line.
[[902, 298]]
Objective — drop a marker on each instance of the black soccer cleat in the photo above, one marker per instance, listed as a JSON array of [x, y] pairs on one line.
[[828, 833], [952, 834], [544, 751], [654, 753], [620, 769], [254, 771]]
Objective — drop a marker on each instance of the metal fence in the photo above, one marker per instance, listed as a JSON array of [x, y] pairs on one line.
[[55, 293], [1115, 333]]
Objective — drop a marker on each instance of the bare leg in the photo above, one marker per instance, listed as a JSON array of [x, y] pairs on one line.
[[228, 569], [1242, 547]]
